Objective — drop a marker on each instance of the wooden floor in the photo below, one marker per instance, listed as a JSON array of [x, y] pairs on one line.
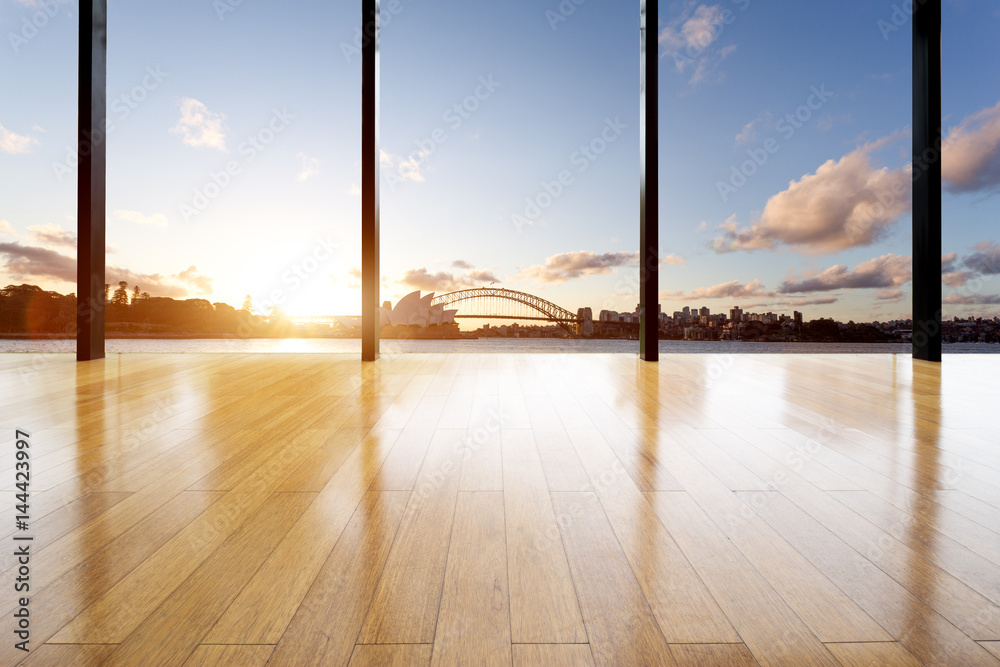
[[505, 509]]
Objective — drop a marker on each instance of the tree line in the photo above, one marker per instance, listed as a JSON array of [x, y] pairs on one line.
[[28, 309]]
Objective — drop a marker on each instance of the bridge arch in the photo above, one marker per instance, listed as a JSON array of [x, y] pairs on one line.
[[548, 310]]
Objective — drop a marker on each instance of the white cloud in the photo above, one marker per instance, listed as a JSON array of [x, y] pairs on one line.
[[971, 153], [749, 132], [15, 144], [442, 281], [731, 289], [847, 203], [200, 127], [986, 259], [888, 271], [407, 169], [54, 235], [154, 220], [688, 40], [310, 166], [7, 228], [673, 260], [567, 265]]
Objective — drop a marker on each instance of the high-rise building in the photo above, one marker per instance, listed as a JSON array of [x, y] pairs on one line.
[[704, 312], [736, 314], [798, 318]]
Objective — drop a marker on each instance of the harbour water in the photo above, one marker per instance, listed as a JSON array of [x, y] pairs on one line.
[[481, 345]]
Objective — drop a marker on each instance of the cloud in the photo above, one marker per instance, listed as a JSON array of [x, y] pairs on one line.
[[567, 265], [971, 299], [34, 263], [442, 281], [354, 277], [672, 259], [355, 190], [688, 38], [956, 278], [887, 271], [400, 168], [7, 228], [154, 220], [986, 259], [423, 280], [817, 301], [845, 204], [28, 262], [732, 289], [199, 127], [15, 144], [52, 234], [889, 294], [482, 276], [970, 159], [191, 276], [749, 132], [310, 166]]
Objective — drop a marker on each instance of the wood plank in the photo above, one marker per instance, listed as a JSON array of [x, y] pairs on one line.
[[683, 606], [911, 622], [118, 612], [543, 603], [977, 572], [712, 655], [552, 655], [825, 609], [317, 469], [481, 459], [401, 466], [55, 605], [405, 607], [992, 647], [233, 655], [473, 626], [391, 655], [256, 616], [326, 624], [873, 653], [772, 631], [68, 655], [619, 622], [563, 470], [178, 625]]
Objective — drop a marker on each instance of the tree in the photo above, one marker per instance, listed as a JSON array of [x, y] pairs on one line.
[[247, 305], [107, 290], [135, 294], [120, 297]]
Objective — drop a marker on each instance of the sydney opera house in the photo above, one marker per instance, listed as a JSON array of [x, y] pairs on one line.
[[412, 311]]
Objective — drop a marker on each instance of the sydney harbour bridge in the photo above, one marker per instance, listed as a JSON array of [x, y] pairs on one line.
[[489, 303]]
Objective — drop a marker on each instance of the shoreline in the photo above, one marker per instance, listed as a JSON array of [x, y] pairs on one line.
[[305, 335]]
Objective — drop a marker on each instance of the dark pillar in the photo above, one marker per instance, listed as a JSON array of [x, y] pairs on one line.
[[649, 219], [369, 182], [91, 179], [927, 180]]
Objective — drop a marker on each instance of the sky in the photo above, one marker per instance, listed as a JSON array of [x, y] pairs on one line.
[[510, 152]]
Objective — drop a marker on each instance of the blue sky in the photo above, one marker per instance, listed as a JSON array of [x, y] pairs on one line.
[[510, 152]]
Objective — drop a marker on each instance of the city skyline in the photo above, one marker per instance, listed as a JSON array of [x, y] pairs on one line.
[[784, 156]]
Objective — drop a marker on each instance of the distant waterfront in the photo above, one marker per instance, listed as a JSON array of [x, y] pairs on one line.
[[481, 345]]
